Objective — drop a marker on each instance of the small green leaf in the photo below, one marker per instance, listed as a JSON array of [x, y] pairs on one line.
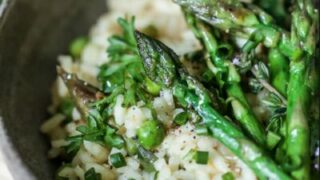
[[112, 139], [66, 107], [74, 143]]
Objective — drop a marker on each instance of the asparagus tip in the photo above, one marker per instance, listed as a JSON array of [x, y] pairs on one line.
[[60, 70], [65, 76]]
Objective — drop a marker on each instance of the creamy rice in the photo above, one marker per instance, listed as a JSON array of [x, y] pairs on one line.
[[172, 161]]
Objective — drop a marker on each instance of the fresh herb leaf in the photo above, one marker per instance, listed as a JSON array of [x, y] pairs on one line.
[[73, 146], [66, 107], [124, 74], [112, 139]]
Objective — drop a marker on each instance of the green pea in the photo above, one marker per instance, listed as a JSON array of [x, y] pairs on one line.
[[77, 46], [151, 134]]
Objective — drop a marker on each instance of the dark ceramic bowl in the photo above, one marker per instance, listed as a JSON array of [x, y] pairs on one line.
[[32, 34]]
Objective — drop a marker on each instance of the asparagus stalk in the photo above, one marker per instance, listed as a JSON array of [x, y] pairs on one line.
[[304, 28], [81, 92], [251, 23], [277, 8], [228, 77], [279, 70], [159, 58]]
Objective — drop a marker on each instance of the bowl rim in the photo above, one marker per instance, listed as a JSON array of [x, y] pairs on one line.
[[11, 158]]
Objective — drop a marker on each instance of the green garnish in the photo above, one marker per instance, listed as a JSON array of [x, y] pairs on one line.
[[66, 107], [147, 158], [112, 139], [201, 129], [117, 160], [227, 176], [181, 118], [125, 67], [92, 175], [131, 146], [202, 157], [259, 99]]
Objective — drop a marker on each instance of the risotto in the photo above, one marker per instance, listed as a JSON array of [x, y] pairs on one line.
[[133, 128]]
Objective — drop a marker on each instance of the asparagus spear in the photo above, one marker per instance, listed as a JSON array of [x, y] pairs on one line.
[[81, 92], [279, 69], [277, 8], [304, 28], [251, 23], [229, 78], [158, 57]]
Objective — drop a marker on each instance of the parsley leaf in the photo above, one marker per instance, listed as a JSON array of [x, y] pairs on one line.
[[124, 74]]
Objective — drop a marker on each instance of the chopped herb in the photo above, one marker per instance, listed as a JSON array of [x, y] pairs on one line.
[[190, 155], [92, 175], [66, 107], [181, 118], [73, 146], [227, 176], [117, 160], [156, 174], [202, 157], [201, 129], [145, 154], [131, 146], [146, 159], [124, 74]]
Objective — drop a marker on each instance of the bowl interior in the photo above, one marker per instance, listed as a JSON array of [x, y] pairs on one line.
[[32, 34]]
